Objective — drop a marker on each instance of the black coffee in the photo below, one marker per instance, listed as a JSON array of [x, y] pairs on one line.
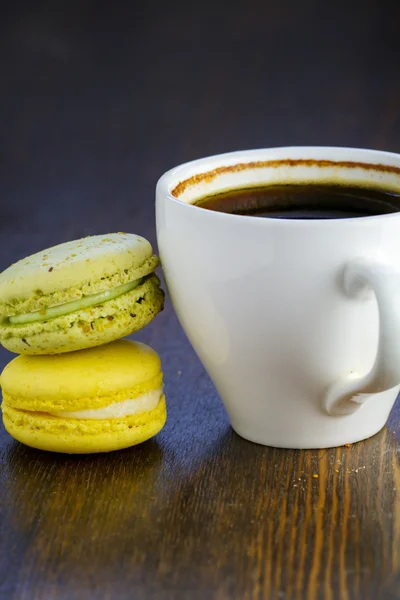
[[301, 201]]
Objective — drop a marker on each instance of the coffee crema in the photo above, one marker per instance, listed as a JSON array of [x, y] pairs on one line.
[[304, 201]]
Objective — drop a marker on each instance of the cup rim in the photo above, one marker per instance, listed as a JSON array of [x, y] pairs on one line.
[[338, 156]]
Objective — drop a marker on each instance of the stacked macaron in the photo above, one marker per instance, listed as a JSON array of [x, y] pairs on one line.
[[74, 388]]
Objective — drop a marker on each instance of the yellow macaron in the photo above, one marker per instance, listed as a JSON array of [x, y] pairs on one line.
[[94, 400]]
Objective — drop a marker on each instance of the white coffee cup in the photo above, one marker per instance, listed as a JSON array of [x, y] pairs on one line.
[[296, 321]]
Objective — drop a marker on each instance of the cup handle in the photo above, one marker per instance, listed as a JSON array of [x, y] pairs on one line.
[[360, 278]]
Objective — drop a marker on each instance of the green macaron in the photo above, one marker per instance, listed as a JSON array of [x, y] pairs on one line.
[[79, 294]]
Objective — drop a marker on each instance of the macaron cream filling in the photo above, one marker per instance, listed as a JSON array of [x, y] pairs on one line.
[[75, 305], [131, 406]]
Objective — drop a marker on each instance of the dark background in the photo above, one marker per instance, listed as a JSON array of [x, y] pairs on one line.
[[97, 100]]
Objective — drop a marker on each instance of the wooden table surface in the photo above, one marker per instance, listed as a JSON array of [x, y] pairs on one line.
[[97, 100]]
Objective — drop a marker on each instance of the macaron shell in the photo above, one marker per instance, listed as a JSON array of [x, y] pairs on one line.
[[72, 264], [88, 328], [38, 301], [41, 399], [79, 380], [82, 436]]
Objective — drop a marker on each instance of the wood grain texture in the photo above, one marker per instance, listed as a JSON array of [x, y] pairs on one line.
[[97, 100]]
